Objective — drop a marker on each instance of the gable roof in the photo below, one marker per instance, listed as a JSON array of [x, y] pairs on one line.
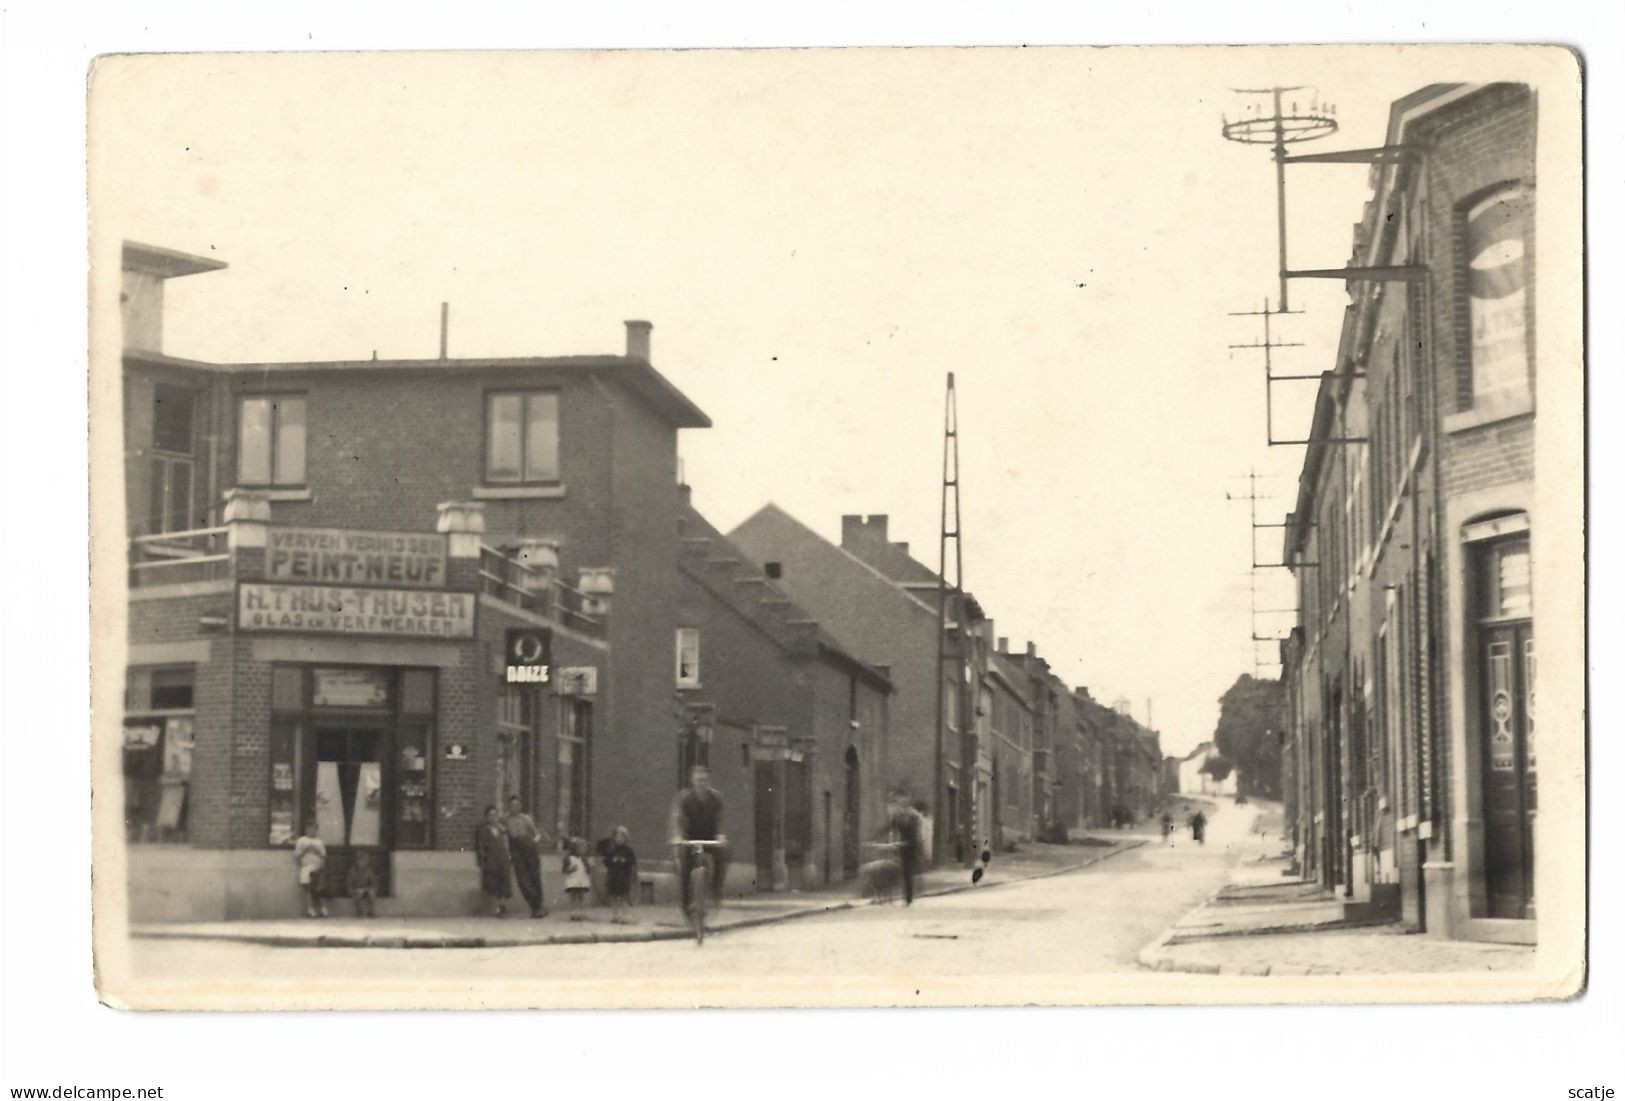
[[772, 514], [723, 570]]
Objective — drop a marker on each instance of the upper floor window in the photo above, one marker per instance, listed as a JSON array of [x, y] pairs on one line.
[[688, 657], [271, 441], [1497, 274], [172, 419], [522, 437]]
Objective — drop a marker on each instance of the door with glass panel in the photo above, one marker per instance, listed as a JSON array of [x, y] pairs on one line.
[[350, 796], [1507, 728]]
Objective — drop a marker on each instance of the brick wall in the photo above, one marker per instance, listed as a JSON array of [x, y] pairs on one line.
[[875, 620]]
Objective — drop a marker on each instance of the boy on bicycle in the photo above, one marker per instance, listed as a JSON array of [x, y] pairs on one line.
[[697, 816]]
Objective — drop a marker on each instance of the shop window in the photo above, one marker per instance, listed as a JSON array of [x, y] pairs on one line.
[[688, 657], [413, 809], [1497, 266], [158, 743], [522, 437], [271, 441]]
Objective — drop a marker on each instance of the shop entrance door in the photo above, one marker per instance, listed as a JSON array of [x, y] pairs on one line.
[[1508, 655], [349, 790]]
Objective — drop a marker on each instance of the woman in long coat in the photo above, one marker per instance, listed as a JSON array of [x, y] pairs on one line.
[[491, 850]]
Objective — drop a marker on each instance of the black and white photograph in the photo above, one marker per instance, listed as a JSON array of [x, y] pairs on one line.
[[938, 558]]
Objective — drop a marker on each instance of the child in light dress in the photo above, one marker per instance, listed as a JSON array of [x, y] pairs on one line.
[[310, 857], [577, 877]]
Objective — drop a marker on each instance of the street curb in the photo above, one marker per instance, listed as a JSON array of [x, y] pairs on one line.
[[340, 940]]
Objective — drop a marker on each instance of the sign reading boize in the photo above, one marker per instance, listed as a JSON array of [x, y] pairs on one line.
[[530, 654], [335, 609], [337, 556]]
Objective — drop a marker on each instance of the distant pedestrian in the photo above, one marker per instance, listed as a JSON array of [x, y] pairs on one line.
[[620, 870], [577, 877], [1167, 828], [310, 857], [1199, 827], [491, 851], [982, 864], [906, 826], [362, 883], [525, 849]]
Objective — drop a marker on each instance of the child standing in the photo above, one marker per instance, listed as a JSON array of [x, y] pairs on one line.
[[577, 879], [363, 884], [621, 866], [310, 857]]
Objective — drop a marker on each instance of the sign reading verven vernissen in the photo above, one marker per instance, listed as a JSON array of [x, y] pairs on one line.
[[339, 556], [341, 609]]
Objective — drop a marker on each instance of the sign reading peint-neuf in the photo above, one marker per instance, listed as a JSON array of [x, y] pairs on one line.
[[346, 610], [341, 557]]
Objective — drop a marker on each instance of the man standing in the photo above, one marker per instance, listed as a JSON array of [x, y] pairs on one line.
[[906, 828], [697, 816], [525, 844]]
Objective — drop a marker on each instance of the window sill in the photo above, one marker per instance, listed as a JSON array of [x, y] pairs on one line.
[[1491, 411], [695, 687], [283, 493], [517, 492]]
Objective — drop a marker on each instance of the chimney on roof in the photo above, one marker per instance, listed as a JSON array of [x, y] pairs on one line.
[[1004, 645], [902, 547], [144, 270], [855, 528], [1032, 649], [445, 325], [637, 340]]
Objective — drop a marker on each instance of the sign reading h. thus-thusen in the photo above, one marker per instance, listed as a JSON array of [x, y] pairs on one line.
[[339, 557], [342, 609]]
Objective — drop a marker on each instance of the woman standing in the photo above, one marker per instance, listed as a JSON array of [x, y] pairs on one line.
[[491, 850]]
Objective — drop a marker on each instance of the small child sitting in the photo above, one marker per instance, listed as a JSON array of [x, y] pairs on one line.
[[363, 884], [577, 877]]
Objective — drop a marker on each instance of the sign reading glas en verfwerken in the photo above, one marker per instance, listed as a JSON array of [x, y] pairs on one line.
[[346, 610], [337, 556]]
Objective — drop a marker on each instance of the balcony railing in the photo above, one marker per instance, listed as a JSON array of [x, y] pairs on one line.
[[173, 557], [513, 582]]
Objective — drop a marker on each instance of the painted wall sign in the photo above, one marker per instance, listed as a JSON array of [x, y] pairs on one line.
[[529, 653], [349, 688], [339, 556], [1497, 272], [578, 680], [344, 610]]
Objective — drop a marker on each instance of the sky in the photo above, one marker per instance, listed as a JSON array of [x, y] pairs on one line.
[[820, 237]]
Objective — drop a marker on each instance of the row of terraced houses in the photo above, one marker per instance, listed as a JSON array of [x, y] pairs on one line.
[[1411, 762], [382, 595]]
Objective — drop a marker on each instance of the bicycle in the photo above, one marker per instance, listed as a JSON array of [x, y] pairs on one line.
[[699, 881]]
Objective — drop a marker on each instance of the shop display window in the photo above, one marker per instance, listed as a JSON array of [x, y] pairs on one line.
[[158, 741]]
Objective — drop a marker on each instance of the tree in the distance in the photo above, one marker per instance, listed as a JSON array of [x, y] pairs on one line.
[[1247, 734], [1217, 766]]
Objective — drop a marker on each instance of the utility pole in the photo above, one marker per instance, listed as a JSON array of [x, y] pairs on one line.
[[953, 648]]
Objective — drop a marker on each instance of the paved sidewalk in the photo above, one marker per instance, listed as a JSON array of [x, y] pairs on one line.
[[648, 922], [1264, 923]]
